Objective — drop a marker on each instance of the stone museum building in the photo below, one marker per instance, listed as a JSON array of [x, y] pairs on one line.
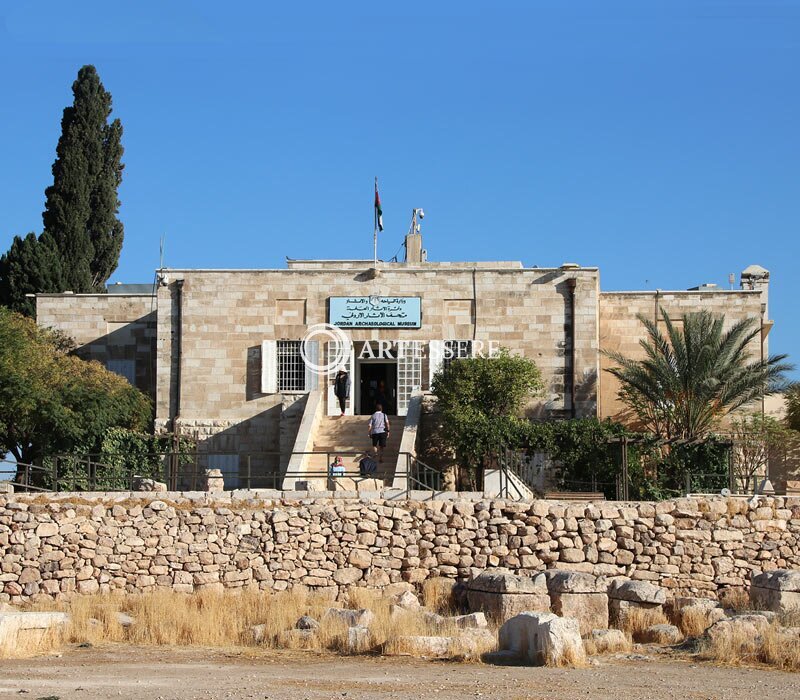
[[221, 352]]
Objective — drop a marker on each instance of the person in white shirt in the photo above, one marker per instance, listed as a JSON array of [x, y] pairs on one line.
[[337, 467], [378, 430]]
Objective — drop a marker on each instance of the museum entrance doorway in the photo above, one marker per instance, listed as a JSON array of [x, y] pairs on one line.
[[377, 383]]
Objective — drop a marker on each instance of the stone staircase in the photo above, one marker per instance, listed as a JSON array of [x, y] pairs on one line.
[[340, 435]]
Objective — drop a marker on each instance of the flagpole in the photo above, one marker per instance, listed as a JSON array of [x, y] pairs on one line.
[[375, 232]]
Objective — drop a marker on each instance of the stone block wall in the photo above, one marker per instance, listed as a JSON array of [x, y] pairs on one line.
[[227, 314], [107, 327], [60, 545]]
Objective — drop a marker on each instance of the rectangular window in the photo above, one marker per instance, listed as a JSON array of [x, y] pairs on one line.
[[456, 350], [125, 368], [291, 368]]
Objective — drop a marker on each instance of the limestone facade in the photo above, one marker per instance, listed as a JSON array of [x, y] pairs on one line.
[[196, 344], [621, 330]]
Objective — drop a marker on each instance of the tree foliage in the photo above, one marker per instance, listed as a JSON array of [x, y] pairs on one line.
[[123, 454], [692, 377], [52, 401], [480, 401], [27, 268], [79, 247], [583, 450], [757, 439], [793, 407]]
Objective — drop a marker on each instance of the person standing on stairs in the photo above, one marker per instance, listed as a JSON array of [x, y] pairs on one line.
[[378, 429], [341, 387]]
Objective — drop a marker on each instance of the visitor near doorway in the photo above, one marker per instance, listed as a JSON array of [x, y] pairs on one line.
[[378, 430], [341, 388]]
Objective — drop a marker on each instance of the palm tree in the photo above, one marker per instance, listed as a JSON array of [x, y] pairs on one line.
[[691, 378]]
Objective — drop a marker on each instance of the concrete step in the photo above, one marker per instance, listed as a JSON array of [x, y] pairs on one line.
[[344, 435]]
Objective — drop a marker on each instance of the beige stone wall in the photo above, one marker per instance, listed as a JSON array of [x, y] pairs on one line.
[[107, 327], [211, 323], [57, 546], [621, 331], [225, 315]]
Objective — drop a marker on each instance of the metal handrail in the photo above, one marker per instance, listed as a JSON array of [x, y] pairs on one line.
[[182, 470]]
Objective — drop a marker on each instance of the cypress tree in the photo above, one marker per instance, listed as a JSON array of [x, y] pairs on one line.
[[81, 207], [28, 267], [79, 247]]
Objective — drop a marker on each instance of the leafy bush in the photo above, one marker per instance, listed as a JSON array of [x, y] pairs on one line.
[[480, 400], [123, 455]]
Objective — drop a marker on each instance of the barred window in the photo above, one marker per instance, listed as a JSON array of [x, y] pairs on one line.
[[456, 350], [291, 368]]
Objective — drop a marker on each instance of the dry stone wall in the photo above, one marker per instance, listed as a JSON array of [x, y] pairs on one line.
[[60, 545]]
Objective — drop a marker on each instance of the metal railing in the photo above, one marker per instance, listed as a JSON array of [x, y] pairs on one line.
[[186, 471]]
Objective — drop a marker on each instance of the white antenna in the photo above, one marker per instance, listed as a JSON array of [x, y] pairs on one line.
[[161, 251], [417, 215]]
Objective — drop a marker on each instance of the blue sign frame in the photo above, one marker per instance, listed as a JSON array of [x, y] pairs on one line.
[[375, 312]]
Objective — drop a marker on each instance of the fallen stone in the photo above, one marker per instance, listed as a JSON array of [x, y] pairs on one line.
[[580, 596], [213, 481], [637, 592], [423, 646], [742, 626], [574, 582], [681, 602], [407, 600], [433, 619], [501, 595], [778, 591], [351, 618], [358, 639], [475, 620], [543, 638], [473, 643], [306, 623], [141, 483], [31, 625], [660, 634], [125, 620], [505, 582]]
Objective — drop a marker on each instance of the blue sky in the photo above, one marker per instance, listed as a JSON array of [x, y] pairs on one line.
[[659, 141]]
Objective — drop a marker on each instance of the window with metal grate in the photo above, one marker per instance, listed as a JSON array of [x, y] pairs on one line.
[[290, 365]]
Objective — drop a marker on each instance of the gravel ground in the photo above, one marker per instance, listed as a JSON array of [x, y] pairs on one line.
[[184, 674]]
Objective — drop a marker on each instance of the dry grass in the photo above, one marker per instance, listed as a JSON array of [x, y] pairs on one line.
[[201, 619], [774, 648], [437, 595], [736, 599], [226, 620], [636, 620], [594, 649], [32, 643], [789, 619], [571, 658], [692, 621]]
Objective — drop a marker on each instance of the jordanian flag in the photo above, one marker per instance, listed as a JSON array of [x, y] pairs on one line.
[[378, 210]]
